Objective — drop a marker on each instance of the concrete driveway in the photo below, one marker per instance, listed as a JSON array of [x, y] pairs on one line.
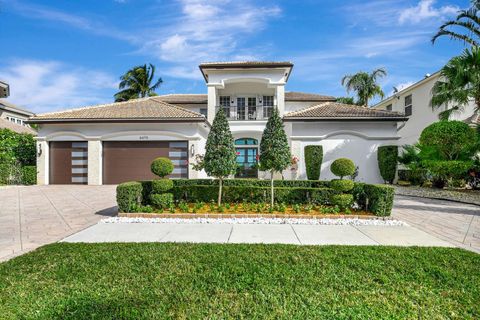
[[457, 223], [31, 216]]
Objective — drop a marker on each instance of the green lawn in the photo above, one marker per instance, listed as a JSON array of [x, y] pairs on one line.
[[213, 281]]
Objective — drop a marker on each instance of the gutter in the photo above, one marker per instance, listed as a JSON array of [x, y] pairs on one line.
[[116, 120]]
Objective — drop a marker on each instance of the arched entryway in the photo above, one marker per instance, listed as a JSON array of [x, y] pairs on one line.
[[247, 158]]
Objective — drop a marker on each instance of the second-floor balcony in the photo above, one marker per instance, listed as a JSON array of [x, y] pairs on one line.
[[247, 112]]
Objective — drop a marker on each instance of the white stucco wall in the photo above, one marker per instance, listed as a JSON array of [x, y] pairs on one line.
[[298, 105], [422, 114], [357, 141]]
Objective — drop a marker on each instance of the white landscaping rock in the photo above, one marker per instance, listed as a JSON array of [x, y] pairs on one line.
[[325, 221]]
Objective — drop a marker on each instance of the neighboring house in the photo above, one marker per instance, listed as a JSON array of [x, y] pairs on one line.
[[4, 89], [5, 124], [414, 102], [13, 113], [116, 142]]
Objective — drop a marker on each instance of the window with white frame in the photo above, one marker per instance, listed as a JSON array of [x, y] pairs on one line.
[[408, 105], [389, 107], [267, 106], [225, 101]]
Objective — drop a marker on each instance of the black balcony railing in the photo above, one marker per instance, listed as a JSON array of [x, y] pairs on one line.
[[248, 112]]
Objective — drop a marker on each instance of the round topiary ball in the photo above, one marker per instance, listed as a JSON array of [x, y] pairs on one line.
[[342, 185], [162, 167], [342, 167]]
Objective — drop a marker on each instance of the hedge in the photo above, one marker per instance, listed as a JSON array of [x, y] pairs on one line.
[[198, 193], [129, 196], [253, 182], [29, 175], [377, 199], [387, 157], [313, 161]]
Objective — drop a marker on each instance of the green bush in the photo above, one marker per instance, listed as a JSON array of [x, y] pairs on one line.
[[161, 201], [29, 175], [162, 167], [313, 161], [344, 201], [342, 167], [161, 185], [414, 175], [342, 185], [442, 171], [129, 196], [387, 157], [253, 183], [380, 199]]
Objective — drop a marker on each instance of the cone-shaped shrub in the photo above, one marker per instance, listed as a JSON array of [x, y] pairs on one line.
[[220, 156], [275, 153], [313, 161], [387, 157]]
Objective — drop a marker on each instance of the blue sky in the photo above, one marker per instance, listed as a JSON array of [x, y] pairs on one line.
[[63, 54]]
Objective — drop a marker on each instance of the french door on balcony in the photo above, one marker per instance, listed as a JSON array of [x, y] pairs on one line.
[[246, 108]]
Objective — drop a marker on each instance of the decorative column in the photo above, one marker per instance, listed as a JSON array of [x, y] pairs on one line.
[[212, 103], [95, 174], [281, 99], [42, 162]]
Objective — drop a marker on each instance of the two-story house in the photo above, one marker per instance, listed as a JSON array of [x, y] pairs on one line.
[[116, 142], [414, 102]]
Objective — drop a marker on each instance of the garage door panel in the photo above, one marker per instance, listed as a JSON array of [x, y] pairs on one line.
[[130, 160]]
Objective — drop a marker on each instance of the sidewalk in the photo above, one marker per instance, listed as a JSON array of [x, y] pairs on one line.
[[257, 233]]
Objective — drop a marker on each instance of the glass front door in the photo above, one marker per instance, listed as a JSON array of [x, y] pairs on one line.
[[247, 163]]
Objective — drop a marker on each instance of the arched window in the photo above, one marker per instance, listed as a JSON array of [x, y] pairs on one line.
[[246, 142]]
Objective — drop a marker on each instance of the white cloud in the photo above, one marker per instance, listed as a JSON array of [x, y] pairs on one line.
[[425, 10], [44, 86]]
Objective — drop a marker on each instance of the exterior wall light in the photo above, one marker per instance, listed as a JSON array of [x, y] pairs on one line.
[[192, 150], [39, 150]]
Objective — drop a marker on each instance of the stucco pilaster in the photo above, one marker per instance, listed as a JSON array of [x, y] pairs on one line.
[[95, 173], [212, 102], [42, 163], [281, 100]]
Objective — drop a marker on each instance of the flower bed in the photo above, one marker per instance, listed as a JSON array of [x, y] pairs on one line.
[[249, 196]]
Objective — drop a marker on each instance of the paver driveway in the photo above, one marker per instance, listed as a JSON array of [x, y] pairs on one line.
[[454, 222], [31, 216]]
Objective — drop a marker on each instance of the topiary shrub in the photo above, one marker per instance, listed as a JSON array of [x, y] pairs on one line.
[[342, 185], [162, 201], [344, 201], [162, 167], [161, 185], [342, 167], [129, 196], [313, 161], [387, 157], [379, 199]]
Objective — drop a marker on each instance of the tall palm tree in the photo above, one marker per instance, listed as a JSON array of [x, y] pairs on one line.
[[464, 28], [459, 83], [365, 85], [137, 83]]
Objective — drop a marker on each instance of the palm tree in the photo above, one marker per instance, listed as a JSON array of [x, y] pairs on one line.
[[459, 84], [365, 85], [467, 24], [346, 100], [137, 83]]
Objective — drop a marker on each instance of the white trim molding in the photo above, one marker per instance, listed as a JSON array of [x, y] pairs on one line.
[[344, 132]]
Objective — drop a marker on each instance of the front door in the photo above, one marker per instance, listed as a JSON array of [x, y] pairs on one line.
[[247, 158]]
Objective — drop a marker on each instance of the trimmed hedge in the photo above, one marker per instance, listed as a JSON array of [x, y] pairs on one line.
[[162, 201], [162, 166], [342, 185], [313, 161], [208, 193], [129, 196], [387, 157], [253, 183], [29, 175], [161, 185], [344, 201], [377, 199]]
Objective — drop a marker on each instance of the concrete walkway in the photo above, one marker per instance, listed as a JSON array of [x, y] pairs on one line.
[[457, 223], [257, 233], [32, 216]]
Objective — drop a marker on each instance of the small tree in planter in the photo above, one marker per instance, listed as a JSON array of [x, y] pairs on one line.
[[160, 196], [275, 153], [220, 156]]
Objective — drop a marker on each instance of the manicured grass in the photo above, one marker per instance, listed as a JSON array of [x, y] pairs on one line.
[[213, 281]]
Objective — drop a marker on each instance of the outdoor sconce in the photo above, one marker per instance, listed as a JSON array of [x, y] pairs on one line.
[[39, 150], [192, 150]]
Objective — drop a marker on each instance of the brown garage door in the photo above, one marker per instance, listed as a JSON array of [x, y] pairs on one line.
[[130, 160], [68, 162]]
